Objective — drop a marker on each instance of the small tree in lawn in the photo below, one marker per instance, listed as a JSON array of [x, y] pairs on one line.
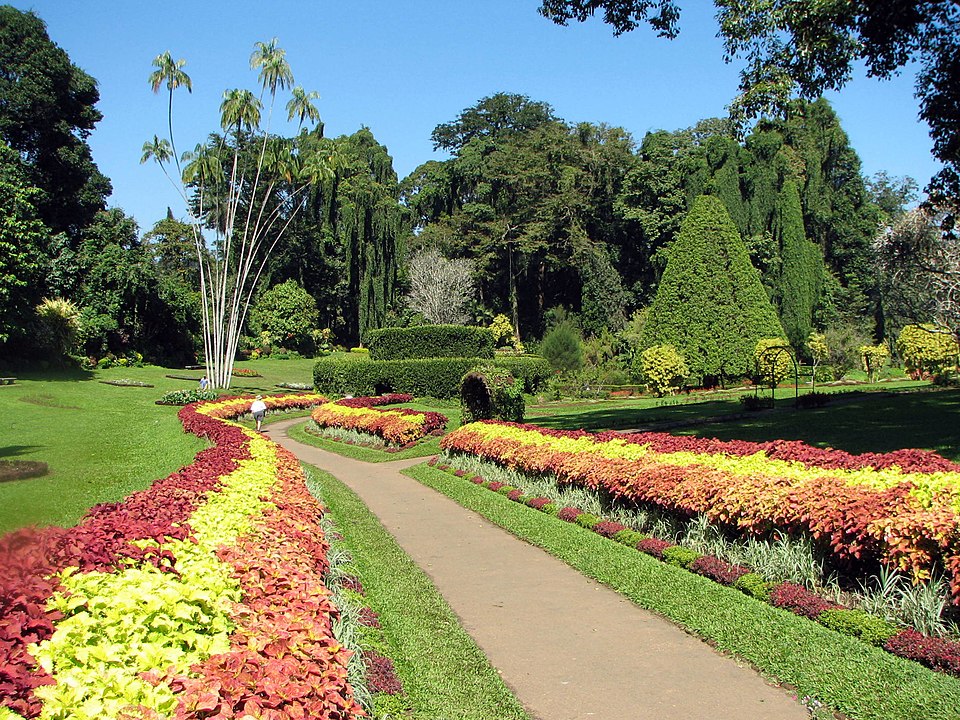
[[819, 352], [287, 314], [873, 357], [245, 209]]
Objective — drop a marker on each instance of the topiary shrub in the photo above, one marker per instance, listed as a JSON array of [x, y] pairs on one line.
[[859, 624], [587, 520], [662, 368], [654, 546], [717, 570], [629, 537], [940, 654], [797, 599], [533, 370], [430, 341], [491, 393]]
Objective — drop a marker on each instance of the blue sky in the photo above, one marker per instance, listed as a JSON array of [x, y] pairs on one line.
[[401, 68]]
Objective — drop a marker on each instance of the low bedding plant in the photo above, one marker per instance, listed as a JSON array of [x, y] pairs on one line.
[[201, 596], [756, 487], [356, 419]]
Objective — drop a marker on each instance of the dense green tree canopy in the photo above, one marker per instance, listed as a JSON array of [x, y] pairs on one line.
[[810, 46], [47, 110], [533, 208], [22, 237]]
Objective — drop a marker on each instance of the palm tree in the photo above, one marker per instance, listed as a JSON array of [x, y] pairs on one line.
[[301, 106], [274, 70], [170, 72], [239, 109]]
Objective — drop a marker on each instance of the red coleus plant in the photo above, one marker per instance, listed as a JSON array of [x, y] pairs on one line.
[[295, 613]]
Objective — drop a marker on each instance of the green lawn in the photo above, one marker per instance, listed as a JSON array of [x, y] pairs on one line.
[[101, 442], [869, 422]]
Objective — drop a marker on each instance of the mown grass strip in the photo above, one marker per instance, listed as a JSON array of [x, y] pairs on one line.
[[444, 673], [863, 682], [426, 448]]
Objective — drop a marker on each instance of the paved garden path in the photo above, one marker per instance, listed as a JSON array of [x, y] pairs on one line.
[[568, 647]]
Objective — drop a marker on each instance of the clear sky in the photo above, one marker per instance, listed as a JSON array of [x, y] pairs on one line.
[[401, 68]]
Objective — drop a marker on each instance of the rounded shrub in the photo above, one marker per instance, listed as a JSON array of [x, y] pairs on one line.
[[679, 556], [491, 393], [662, 368]]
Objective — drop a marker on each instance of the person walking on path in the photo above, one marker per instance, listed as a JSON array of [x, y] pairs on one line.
[[258, 409]]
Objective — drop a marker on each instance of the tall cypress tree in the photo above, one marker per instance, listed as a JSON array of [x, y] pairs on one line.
[[710, 303], [801, 267]]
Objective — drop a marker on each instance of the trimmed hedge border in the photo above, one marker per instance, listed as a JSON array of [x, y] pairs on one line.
[[937, 654], [427, 377], [429, 341]]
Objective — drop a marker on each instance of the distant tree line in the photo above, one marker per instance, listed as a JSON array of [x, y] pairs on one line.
[[540, 221]]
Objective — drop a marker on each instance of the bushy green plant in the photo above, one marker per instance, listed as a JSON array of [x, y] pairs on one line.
[[662, 368], [587, 520], [679, 556], [630, 538], [563, 348], [430, 341], [859, 624], [59, 325], [286, 316], [185, 397], [873, 357], [926, 349], [754, 586]]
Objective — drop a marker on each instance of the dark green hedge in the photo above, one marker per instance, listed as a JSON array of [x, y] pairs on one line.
[[430, 341], [532, 369], [431, 377]]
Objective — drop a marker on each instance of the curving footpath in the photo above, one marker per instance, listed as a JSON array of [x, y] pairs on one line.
[[526, 611]]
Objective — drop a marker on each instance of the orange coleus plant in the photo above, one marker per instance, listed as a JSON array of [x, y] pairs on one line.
[[863, 507]]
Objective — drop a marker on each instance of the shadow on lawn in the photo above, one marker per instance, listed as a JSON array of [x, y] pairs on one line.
[[17, 450], [868, 423]]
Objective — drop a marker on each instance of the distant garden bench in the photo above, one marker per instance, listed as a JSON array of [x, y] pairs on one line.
[[7, 381]]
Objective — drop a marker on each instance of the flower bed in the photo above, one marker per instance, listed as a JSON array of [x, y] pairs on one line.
[[398, 426], [900, 508], [939, 654], [200, 596]]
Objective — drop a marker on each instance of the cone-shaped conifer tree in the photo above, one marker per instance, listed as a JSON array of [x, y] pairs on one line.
[[710, 304]]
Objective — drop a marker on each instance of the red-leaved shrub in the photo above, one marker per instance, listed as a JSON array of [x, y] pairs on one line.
[[797, 599], [717, 569], [654, 546], [935, 653]]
